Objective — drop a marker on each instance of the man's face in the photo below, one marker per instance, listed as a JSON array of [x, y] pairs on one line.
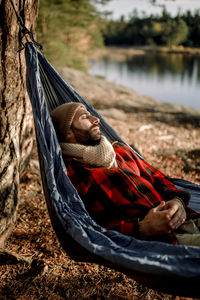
[[85, 128]]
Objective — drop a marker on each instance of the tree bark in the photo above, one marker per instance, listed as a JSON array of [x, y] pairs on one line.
[[16, 125]]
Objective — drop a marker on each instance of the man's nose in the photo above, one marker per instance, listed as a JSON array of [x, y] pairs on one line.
[[95, 120]]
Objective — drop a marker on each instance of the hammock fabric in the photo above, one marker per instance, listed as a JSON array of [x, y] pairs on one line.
[[170, 268]]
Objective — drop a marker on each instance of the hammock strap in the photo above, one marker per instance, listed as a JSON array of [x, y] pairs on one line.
[[24, 30]]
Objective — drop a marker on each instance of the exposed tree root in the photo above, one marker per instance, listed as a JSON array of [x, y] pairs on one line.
[[11, 258]]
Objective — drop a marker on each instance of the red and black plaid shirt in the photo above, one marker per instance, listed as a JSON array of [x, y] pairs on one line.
[[117, 198]]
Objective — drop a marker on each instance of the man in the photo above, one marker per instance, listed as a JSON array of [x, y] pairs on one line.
[[120, 191]]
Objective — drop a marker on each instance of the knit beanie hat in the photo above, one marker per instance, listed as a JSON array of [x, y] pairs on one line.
[[62, 118]]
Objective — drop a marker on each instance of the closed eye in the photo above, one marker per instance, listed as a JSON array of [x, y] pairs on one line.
[[85, 116]]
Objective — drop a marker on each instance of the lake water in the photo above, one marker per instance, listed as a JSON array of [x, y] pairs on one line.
[[172, 78]]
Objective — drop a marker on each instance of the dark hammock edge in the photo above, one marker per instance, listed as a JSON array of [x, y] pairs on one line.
[[55, 221]]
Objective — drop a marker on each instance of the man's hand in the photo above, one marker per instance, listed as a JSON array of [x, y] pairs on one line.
[[177, 214], [163, 219]]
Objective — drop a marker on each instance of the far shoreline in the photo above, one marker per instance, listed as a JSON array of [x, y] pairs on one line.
[[126, 53]]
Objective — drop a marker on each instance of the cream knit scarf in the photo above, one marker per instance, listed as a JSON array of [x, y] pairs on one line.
[[102, 155]]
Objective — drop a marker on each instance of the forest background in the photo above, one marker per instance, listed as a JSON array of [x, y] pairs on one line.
[[71, 30]]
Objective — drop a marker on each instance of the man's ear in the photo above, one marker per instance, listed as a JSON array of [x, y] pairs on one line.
[[70, 137]]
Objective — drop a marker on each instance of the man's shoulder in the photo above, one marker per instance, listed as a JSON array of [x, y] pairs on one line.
[[119, 145], [128, 149]]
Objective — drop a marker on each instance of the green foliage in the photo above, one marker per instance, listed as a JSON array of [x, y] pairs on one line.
[[176, 32], [193, 23], [69, 30], [154, 30]]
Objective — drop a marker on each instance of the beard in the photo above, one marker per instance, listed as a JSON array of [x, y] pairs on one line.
[[86, 137]]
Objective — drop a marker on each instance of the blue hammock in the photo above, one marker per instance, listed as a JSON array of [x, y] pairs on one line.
[[170, 268]]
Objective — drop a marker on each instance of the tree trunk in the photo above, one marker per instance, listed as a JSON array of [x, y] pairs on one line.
[[16, 126]]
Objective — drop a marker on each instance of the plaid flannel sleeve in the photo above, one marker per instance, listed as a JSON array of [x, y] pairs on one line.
[[161, 183]]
